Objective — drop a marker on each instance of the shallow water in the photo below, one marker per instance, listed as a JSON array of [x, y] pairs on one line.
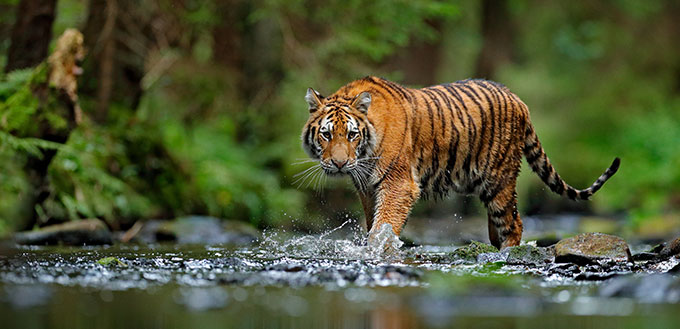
[[330, 280]]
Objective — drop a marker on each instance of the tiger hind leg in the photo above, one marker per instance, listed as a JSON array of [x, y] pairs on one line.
[[505, 225]]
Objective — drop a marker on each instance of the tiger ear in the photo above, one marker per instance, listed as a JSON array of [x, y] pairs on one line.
[[362, 101], [313, 98]]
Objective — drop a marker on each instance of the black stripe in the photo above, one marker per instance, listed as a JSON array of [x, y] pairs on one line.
[[450, 90], [436, 101], [513, 122], [466, 164], [451, 162], [306, 135], [453, 155], [571, 193], [476, 152], [533, 157], [440, 111], [390, 87], [388, 90], [492, 136], [546, 171], [453, 138], [435, 146], [435, 133], [312, 134], [401, 90], [472, 127], [559, 186], [489, 194], [530, 147]]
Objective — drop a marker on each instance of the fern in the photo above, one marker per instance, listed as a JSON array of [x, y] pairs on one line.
[[18, 104], [29, 145], [13, 81]]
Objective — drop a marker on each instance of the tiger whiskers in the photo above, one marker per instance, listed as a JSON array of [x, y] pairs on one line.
[[303, 161], [363, 172], [304, 176]]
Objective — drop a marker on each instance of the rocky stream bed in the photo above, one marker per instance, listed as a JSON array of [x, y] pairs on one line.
[[332, 280]]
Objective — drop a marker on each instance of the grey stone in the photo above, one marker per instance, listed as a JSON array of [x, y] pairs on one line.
[[670, 248], [529, 255], [588, 248]]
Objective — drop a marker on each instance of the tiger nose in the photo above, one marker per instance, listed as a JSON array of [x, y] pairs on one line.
[[339, 164]]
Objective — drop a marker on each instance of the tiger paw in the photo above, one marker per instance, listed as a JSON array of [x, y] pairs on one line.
[[382, 242]]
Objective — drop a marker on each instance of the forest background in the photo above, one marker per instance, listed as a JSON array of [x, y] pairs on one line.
[[196, 107]]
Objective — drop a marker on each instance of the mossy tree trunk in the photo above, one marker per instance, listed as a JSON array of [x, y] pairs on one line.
[[57, 113]]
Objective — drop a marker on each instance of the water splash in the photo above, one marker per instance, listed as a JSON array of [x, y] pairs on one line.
[[384, 244]]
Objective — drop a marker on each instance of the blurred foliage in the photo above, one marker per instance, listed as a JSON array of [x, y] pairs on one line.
[[217, 127]]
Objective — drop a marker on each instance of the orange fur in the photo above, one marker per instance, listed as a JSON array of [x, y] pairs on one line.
[[399, 144]]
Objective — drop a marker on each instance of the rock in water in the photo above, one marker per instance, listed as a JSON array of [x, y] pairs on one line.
[[470, 252], [529, 255], [670, 249], [588, 248], [75, 233]]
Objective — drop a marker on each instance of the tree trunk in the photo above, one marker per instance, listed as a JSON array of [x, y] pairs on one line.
[[31, 34], [497, 33], [115, 66], [419, 61], [239, 42]]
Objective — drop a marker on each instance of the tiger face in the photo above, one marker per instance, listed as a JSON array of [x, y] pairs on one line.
[[338, 132]]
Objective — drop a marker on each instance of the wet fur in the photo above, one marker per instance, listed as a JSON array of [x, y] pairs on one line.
[[468, 137]]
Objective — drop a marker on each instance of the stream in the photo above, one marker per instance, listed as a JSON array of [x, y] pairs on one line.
[[333, 280]]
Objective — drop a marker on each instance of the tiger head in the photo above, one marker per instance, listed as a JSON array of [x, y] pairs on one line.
[[338, 132]]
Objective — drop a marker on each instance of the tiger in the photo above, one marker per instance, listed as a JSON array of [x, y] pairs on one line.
[[398, 144]]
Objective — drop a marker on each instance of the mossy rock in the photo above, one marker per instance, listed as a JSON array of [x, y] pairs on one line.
[[588, 248], [529, 255], [470, 252]]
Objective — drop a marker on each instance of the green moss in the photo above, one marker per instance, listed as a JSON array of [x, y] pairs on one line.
[[111, 262], [470, 252]]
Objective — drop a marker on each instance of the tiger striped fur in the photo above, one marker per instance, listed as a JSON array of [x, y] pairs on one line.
[[398, 144]]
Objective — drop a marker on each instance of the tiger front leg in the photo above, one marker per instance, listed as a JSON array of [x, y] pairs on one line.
[[393, 201], [368, 203]]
